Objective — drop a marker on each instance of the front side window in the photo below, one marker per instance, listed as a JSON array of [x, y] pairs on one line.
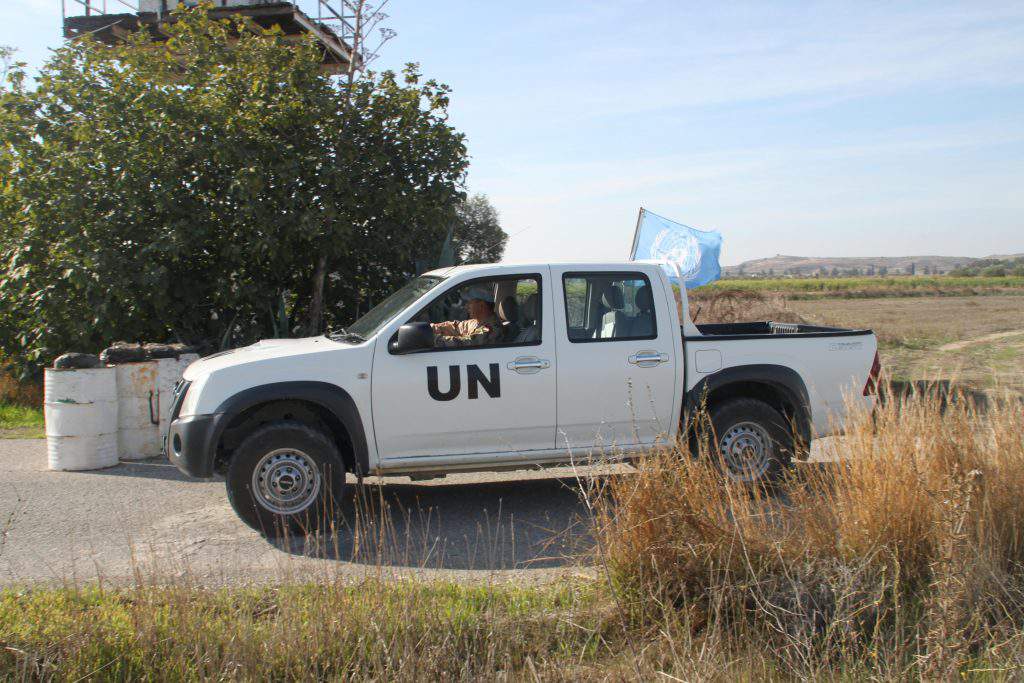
[[608, 306], [379, 315], [486, 312]]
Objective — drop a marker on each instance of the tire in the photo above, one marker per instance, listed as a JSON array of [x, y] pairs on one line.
[[753, 442], [286, 477]]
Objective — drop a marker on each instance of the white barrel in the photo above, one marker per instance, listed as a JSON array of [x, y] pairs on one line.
[[80, 407], [171, 370], [138, 413]]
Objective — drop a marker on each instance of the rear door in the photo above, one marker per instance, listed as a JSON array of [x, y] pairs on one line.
[[496, 399], [617, 357]]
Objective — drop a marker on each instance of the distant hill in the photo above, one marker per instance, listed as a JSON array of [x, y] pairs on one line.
[[864, 265]]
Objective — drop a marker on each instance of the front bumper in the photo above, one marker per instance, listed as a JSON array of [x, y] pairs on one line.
[[192, 443]]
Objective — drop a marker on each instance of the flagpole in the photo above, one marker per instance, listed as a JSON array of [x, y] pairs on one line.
[[636, 234]]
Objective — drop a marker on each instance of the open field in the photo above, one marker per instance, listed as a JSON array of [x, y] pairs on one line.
[[874, 287], [904, 561], [918, 335]]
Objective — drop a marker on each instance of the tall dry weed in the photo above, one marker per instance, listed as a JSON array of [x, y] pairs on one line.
[[911, 544]]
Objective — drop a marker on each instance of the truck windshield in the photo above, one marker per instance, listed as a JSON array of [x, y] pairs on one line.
[[379, 315]]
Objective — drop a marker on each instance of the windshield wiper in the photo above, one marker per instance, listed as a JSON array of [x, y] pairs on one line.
[[342, 334]]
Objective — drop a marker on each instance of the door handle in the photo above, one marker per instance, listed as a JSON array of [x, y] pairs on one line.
[[648, 359], [528, 365]]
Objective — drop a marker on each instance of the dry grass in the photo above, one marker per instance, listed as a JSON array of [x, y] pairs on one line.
[[738, 305], [905, 559]]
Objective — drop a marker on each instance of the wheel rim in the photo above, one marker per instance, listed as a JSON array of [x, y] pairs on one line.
[[286, 481], [747, 451]]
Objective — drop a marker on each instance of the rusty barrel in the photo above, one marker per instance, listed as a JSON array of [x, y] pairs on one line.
[[138, 410]]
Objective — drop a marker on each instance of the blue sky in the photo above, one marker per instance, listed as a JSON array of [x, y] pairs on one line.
[[829, 129]]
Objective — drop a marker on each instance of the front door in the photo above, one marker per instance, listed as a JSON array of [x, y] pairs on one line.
[[617, 360], [484, 393]]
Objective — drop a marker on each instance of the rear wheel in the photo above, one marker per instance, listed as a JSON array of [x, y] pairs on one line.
[[286, 477], [752, 441]]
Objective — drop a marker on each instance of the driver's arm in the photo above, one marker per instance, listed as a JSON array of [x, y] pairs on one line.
[[447, 328], [467, 333]]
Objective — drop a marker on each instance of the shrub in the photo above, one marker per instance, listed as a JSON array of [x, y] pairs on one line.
[[18, 392]]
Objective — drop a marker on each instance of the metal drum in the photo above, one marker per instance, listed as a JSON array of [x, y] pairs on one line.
[[138, 416], [80, 407]]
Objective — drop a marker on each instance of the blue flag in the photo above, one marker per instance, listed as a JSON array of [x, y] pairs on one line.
[[692, 254]]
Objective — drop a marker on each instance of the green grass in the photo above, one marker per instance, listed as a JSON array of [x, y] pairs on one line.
[[873, 286], [383, 630], [23, 422]]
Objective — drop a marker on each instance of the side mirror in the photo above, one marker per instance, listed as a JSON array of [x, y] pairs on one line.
[[413, 337]]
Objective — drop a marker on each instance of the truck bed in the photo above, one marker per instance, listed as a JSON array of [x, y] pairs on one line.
[[767, 328], [832, 362]]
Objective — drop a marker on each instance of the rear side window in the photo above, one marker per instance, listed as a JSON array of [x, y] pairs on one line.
[[608, 307]]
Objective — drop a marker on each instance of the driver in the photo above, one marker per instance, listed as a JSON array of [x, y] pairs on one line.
[[480, 329]]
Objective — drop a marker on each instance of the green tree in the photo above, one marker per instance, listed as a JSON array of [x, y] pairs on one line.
[[478, 237], [186, 189]]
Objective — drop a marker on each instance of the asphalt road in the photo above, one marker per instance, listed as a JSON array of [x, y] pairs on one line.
[[145, 521]]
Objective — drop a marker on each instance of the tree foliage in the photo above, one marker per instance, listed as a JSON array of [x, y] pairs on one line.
[[191, 189], [992, 267], [478, 237]]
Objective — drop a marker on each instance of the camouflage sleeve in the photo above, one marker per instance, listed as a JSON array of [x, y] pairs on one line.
[[448, 328], [478, 335]]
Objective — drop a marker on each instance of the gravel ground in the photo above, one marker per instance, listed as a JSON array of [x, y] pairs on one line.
[[145, 521]]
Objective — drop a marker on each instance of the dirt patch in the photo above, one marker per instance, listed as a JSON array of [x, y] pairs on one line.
[[956, 346]]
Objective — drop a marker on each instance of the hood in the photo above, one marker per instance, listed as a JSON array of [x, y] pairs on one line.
[[261, 350]]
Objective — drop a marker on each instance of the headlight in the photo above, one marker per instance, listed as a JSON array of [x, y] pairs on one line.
[[188, 406]]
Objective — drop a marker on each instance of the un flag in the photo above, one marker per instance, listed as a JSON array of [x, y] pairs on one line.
[[692, 254]]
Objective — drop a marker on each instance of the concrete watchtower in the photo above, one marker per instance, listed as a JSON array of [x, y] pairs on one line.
[[112, 20]]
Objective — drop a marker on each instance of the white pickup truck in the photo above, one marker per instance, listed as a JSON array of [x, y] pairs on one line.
[[580, 360]]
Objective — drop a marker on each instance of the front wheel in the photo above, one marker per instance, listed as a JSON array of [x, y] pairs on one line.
[[751, 440], [286, 477]]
